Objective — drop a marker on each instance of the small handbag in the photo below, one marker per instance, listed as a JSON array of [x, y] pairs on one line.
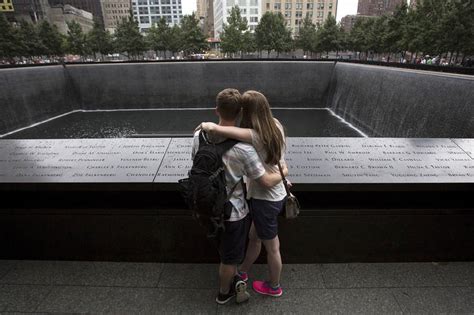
[[292, 206]]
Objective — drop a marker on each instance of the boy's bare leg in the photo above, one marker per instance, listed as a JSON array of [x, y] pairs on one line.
[[253, 250], [226, 276]]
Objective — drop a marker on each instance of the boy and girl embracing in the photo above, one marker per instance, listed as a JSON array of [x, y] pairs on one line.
[[256, 156]]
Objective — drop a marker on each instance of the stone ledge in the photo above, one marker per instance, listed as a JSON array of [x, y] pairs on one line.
[[313, 162]]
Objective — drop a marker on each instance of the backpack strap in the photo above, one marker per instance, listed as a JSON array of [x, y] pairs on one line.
[[225, 146], [203, 138]]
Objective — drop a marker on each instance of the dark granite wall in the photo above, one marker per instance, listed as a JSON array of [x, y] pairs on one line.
[[30, 95], [392, 102], [196, 84]]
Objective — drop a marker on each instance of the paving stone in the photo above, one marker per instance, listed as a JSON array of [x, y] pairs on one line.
[[22, 298], [314, 301], [6, 266], [457, 273], [128, 300], [77, 299], [189, 276], [119, 274], [42, 272], [436, 300], [380, 275]]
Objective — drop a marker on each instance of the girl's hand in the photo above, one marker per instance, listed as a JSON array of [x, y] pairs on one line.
[[208, 126]]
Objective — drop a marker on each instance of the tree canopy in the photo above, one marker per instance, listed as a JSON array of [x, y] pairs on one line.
[[272, 34]]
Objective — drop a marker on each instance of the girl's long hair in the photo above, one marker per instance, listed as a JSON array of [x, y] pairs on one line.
[[257, 115]]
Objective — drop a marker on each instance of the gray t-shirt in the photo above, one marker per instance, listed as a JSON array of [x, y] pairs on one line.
[[241, 160]]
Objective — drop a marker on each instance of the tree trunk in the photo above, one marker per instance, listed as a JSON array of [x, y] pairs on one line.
[[450, 58], [268, 54], [456, 59]]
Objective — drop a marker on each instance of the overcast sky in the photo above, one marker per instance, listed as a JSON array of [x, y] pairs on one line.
[[344, 7]]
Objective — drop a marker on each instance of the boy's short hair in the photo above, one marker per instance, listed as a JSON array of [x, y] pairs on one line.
[[228, 104]]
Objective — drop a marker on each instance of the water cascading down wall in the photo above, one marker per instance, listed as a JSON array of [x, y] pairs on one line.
[[145, 222]]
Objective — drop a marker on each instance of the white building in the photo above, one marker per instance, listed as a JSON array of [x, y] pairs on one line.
[[148, 12], [249, 9]]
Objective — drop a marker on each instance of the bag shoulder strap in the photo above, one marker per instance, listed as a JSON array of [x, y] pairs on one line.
[[285, 182]]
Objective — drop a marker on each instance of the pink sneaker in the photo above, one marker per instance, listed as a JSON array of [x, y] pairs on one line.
[[263, 287], [243, 276]]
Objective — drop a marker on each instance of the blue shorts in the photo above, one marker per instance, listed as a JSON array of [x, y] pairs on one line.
[[233, 241], [265, 217]]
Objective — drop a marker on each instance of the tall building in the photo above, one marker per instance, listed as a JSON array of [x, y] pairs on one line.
[[6, 6], [92, 6], [205, 14], [30, 10], [60, 15], [378, 7], [114, 11], [148, 12], [348, 22], [295, 11], [249, 9]]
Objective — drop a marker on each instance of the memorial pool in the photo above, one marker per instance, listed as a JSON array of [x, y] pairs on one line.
[[303, 122]]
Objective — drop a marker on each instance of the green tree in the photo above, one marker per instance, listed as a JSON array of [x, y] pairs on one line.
[[360, 35], [306, 36], [52, 41], [396, 25], [99, 40], [10, 45], [76, 39], [456, 28], [235, 33], [249, 44], [31, 44], [159, 36], [329, 35], [271, 34], [128, 39], [175, 39], [193, 40]]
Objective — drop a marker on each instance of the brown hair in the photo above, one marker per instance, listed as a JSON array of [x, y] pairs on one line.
[[228, 103], [257, 115]]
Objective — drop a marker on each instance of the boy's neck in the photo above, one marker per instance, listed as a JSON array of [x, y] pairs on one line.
[[223, 122]]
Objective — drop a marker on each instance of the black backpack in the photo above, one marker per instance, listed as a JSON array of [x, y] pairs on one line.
[[204, 191]]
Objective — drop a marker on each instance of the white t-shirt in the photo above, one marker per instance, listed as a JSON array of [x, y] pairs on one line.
[[254, 189], [241, 160]]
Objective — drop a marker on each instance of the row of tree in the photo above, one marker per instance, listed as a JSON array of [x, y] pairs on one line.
[[27, 40], [433, 27]]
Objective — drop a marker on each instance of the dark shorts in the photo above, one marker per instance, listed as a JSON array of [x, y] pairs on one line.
[[233, 241], [265, 217]]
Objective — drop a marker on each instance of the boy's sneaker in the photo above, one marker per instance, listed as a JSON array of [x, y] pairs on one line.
[[224, 298], [238, 289], [263, 287], [243, 276], [241, 292]]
